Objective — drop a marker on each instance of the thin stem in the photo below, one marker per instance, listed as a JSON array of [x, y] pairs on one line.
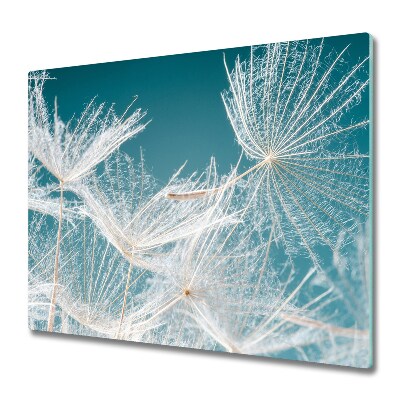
[[207, 192], [335, 330], [52, 310], [128, 278]]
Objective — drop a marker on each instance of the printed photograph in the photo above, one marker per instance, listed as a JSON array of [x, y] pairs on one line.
[[219, 200]]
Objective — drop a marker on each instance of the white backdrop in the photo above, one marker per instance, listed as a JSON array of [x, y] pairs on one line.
[[48, 34]]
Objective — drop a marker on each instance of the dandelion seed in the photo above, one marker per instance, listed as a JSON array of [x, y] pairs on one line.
[[207, 295], [349, 277], [289, 107], [138, 219], [218, 294], [89, 298], [134, 215], [41, 197], [71, 151]]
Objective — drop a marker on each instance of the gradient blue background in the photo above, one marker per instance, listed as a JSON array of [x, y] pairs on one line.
[[182, 96]]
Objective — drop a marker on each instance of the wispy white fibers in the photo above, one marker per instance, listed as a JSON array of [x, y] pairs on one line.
[[42, 198], [293, 108], [350, 280], [289, 106], [134, 214], [91, 280], [220, 292], [70, 151], [271, 260], [137, 218], [199, 275]]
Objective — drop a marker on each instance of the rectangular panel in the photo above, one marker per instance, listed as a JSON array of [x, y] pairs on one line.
[[218, 200]]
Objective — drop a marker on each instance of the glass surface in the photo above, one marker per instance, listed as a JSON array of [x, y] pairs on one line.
[[218, 200]]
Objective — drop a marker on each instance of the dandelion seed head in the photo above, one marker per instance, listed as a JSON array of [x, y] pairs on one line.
[[134, 214], [289, 108], [70, 151]]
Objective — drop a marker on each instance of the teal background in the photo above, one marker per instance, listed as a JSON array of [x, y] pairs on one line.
[[182, 96]]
